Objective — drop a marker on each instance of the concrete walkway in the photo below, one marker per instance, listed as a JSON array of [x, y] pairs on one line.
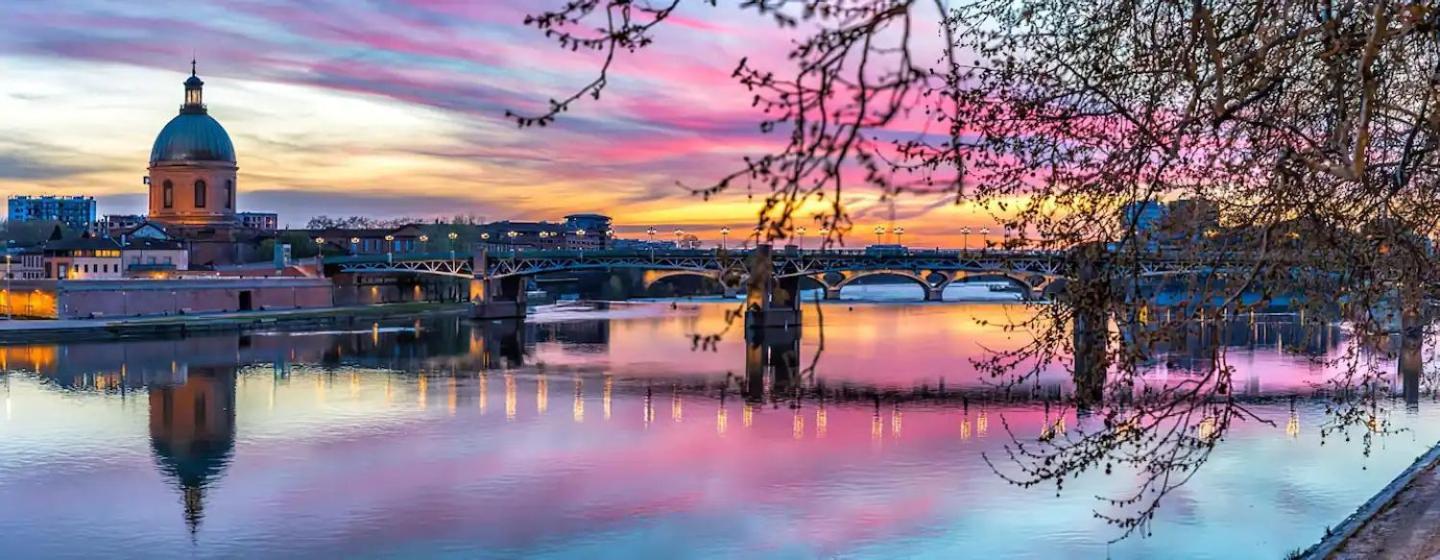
[[1402, 521]]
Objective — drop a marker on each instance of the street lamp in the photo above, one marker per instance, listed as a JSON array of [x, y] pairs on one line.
[[453, 236], [8, 307], [651, 232], [389, 248], [879, 232], [580, 238], [899, 235], [319, 259], [985, 237], [824, 236], [801, 230], [425, 242], [354, 245], [965, 237], [724, 236], [679, 233]]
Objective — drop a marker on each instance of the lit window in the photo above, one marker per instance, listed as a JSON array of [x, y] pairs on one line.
[[169, 194], [199, 194]]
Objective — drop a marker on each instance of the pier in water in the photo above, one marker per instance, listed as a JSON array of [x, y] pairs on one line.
[[617, 432]]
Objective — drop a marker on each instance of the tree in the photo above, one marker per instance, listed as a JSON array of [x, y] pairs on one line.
[[1311, 126]]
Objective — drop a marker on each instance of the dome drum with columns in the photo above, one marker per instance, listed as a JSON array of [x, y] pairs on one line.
[[192, 167]]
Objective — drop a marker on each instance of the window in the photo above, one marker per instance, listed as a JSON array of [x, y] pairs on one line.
[[199, 194], [169, 194], [229, 193]]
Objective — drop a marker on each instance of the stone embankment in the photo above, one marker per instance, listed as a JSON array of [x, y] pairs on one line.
[[72, 329]]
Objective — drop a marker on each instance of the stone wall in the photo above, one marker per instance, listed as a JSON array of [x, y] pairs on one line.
[[138, 297]]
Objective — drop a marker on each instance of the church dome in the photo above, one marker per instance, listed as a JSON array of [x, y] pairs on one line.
[[192, 136]]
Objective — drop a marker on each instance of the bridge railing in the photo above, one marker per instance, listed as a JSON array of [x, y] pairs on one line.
[[383, 257]]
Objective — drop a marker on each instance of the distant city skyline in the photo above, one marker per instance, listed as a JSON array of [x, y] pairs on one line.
[[395, 108]]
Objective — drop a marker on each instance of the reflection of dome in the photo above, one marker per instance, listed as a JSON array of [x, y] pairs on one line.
[[192, 433], [192, 136], [193, 465]]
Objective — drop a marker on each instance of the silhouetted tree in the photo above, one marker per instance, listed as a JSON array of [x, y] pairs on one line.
[[1309, 126]]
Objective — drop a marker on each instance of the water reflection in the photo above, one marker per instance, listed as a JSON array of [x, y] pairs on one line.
[[648, 437], [192, 432]]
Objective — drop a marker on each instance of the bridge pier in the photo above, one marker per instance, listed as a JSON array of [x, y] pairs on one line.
[[497, 298], [770, 302], [832, 294], [934, 294], [776, 353]]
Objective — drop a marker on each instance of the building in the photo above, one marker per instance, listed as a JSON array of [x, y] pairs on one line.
[[1160, 224], [112, 224], [78, 212], [578, 231], [587, 231], [147, 257], [86, 258], [25, 264], [259, 221], [192, 182], [368, 241], [1142, 215]]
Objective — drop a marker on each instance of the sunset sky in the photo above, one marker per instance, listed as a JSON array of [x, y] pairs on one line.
[[396, 107]]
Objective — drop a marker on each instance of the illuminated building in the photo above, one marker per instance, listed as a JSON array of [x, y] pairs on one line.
[[78, 212], [192, 182], [81, 259]]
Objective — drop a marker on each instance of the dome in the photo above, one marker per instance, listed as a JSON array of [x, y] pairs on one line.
[[192, 136]]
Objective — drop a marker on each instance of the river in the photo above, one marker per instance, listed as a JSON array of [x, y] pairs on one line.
[[615, 432]]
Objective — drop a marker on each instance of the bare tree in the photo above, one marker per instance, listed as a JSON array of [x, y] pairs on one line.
[[1307, 127]]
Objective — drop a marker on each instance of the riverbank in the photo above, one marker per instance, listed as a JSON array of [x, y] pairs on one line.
[[90, 329], [1401, 521]]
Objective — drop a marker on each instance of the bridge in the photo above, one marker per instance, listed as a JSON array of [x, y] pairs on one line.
[[771, 277]]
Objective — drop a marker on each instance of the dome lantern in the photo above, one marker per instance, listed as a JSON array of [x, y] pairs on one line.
[[194, 101]]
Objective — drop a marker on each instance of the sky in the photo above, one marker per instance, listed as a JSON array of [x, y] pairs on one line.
[[392, 108]]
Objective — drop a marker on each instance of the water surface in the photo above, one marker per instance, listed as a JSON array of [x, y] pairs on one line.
[[607, 433]]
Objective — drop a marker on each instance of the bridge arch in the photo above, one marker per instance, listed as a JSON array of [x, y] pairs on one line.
[[928, 290], [652, 278], [1029, 286]]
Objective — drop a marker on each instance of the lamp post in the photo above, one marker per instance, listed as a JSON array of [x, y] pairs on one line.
[[879, 234], [985, 238], [824, 237], [453, 236], [389, 248], [679, 233], [425, 243], [801, 230], [319, 258], [580, 239], [965, 239], [651, 232], [899, 235], [8, 307], [354, 245], [724, 236]]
